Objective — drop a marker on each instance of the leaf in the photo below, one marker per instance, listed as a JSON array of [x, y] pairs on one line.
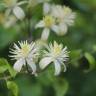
[[12, 86], [91, 61], [74, 56], [3, 65], [12, 71], [61, 87]]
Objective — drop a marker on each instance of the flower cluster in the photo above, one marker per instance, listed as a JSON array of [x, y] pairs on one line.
[[27, 54], [56, 18]]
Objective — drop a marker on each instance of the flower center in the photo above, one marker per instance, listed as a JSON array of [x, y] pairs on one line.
[[49, 21], [25, 50], [57, 49]]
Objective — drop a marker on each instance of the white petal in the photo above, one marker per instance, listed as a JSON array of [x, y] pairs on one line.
[[18, 12], [57, 68], [45, 34], [64, 67], [55, 28], [46, 8], [45, 62], [40, 24], [18, 65], [32, 65], [63, 28], [21, 3]]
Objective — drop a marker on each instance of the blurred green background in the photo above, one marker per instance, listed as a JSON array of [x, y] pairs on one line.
[[80, 38]]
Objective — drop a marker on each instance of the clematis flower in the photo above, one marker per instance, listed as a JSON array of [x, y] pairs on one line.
[[48, 23], [65, 18], [55, 54], [24, 53], [14, 6]]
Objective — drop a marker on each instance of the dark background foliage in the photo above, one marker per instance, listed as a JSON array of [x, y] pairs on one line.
[[80, 78]]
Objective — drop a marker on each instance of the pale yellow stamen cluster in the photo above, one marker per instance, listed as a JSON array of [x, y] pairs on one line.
[[25, 49], [49, 21], [57, 49]]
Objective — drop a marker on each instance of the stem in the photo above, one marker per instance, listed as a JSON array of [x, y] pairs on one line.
[[28, 69], [29, 24]]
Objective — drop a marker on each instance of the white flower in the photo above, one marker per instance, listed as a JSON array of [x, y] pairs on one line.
[[48, 23], [14, 6], [24, 53], [55, 54], [65, 17]]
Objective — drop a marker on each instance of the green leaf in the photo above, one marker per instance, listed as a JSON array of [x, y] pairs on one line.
[[61, 87], [74, 56], [3, 65], [11, 71], [91, 61], [12, 86]]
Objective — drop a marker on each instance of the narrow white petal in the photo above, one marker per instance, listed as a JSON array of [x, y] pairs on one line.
[[18, 12], [32, 65], [18, 65], [45, 34], [57, 68], [16, 47], [65, 69], [21, 3], [45, 62], [40, 24], [46, 8]]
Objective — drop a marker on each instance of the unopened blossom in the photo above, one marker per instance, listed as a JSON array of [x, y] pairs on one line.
[[14, 6], [9, 21], [24, 53], [55, 54], [48, 24], [65, 18]]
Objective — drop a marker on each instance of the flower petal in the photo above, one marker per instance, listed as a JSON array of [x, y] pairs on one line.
[[45, 62], [46, 8], [45, 34], [18, 65], [18, 12], [21, 3], [55, 28], [32, 65], [57, 67], [40, 24], [65, 69], [63, 28]]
